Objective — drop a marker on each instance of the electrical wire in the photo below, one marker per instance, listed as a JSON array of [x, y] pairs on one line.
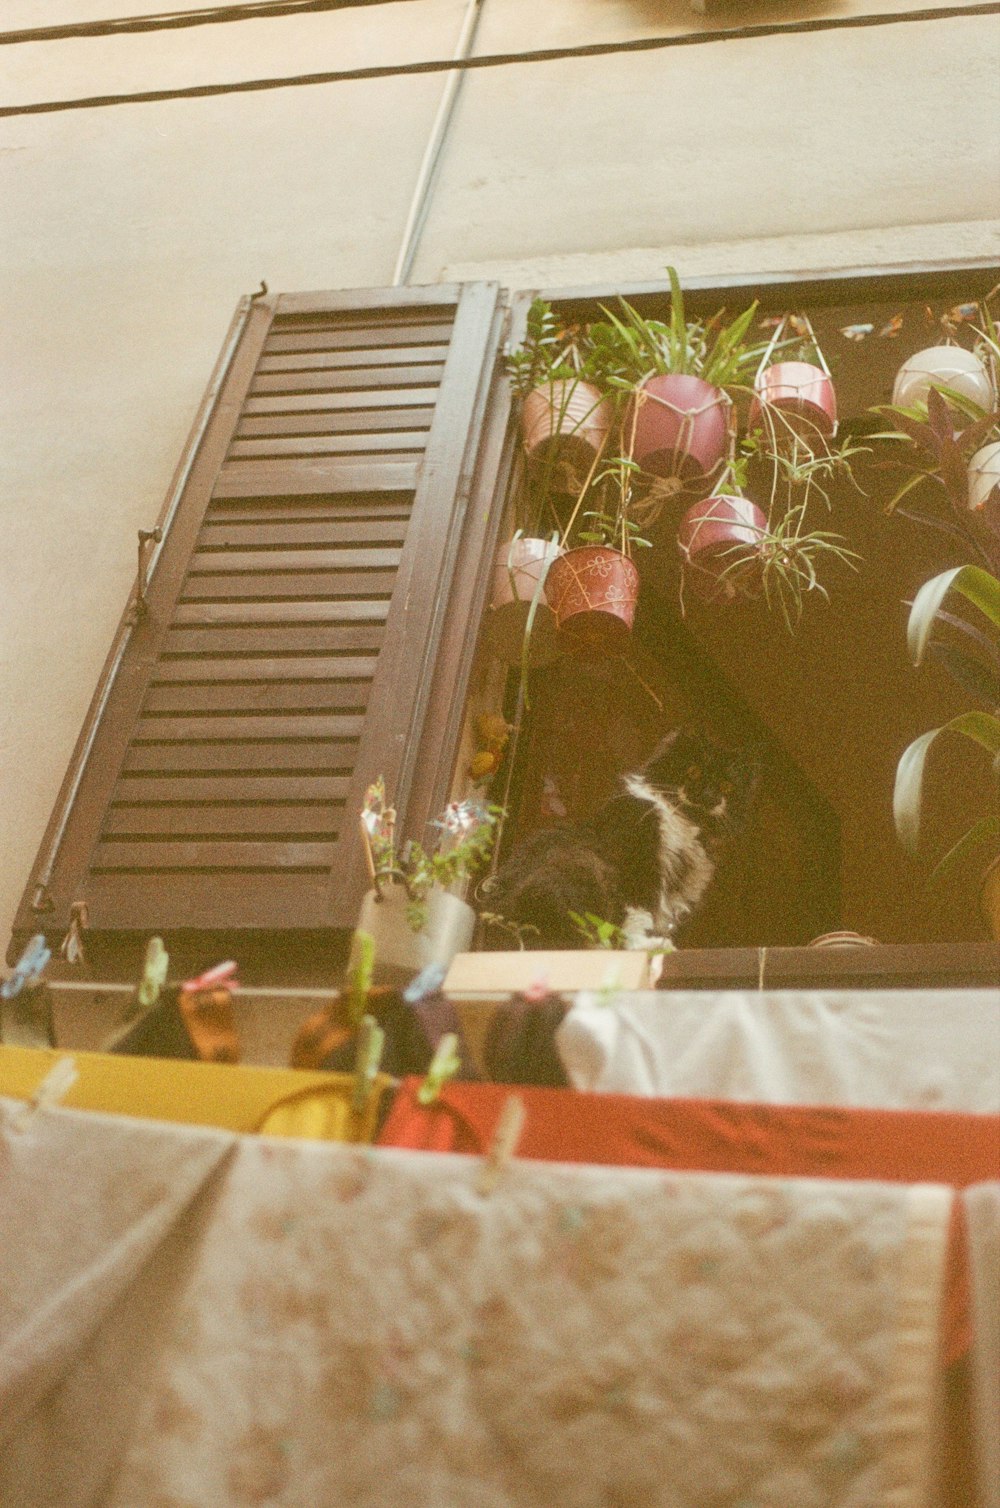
[[505, 59], [249, 10]]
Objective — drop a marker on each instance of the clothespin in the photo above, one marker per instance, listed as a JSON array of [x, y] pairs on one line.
[[537, 989], [54, 1087], [504, 1144], [28, 969], [71, 947], [359, 980], [425, 983], [371, 1042], [221, 977], [154, 974], [444, 1066]]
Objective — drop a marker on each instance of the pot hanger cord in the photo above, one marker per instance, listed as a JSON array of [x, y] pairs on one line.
[[505, 59]]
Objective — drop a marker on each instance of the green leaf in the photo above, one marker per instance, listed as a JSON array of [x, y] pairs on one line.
[[977, 585], [982, 727], [967, 843]]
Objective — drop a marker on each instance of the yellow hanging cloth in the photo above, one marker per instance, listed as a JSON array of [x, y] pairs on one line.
[[271, 1101]]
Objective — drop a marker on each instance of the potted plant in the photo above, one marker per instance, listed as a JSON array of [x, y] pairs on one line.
[[720, 542], [593, 586], [565, 418], [677, 422], [952, 367], [796, 393], [415, 910], [975, 664]]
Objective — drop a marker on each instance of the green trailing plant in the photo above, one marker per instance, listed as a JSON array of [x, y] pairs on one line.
[[627, 348], [517, 930], [596, 932], [550, 351], [462, 849], [981, 648]]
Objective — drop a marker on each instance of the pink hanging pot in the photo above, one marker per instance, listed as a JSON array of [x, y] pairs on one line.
[[593, 591], [720, 540], [564, 423], [795, 400], [521, 567], [678, 426]]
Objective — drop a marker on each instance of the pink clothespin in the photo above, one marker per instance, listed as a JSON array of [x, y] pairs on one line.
[[221, 977]]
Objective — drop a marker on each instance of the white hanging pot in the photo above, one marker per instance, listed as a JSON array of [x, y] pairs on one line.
[[984, 475], [399, 951], [942, 366]]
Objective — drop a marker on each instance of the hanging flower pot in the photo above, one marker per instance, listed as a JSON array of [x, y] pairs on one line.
[[678, 426], [984, 476], [943, 366], [521, 566], [720, 543], [592, 591], [801, 398], [402, 951], [564, 423]]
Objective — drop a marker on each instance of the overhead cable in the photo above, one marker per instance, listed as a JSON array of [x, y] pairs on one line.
[[173, 20], [505, 59]]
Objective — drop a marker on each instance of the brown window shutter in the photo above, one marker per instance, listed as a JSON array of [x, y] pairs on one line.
[[295, 612]]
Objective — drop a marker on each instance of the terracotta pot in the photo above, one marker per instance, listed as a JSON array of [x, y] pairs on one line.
[[804, 396], [719, 541], [989, 899], [677, 426], [593, 591], [399, 951], [842, 940], [948, 366], [984, 475], [520, 565], [565, 423]]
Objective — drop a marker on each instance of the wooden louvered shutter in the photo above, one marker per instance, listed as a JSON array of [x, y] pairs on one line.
[[294, 615]]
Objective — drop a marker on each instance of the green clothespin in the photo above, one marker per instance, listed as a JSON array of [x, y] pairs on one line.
[[371, 1042], [154, 973], [359, 980], [444, 1066]]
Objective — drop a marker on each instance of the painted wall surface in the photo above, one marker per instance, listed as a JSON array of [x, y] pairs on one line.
[[130, 232]]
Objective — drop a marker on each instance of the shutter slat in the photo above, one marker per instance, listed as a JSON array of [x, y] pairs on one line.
[[270, 559], [214, 671], [267, 639], [322, 357], [266, 478], [336, 422], [290, 819], [414, 375], [145, 789], [248, 613], [269, 696], [319, 335], [225, 729], [361, 400], [264, 585], [152, 858], [328, 445], [340, 534]]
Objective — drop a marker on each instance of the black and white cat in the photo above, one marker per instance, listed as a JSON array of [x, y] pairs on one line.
[[644, 861]]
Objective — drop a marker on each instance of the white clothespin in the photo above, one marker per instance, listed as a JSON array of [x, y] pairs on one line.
[[54, 1087], [154, 974], [221, 977], [506, 1136]]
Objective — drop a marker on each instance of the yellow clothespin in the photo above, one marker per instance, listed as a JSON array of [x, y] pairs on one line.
[[359, 980], [154, 974], [54, 1087], [505, 1139], [444, 1066], [371, 1042]]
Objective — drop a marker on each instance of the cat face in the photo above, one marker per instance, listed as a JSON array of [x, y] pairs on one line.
[[710, 782]]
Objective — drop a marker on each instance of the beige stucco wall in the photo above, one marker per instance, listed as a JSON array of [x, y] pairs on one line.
[[129, 233]]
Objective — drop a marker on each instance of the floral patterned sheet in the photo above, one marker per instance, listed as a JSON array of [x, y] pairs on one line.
[[205, 1321]]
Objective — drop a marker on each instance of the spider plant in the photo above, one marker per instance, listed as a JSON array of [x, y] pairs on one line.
[[976, 666], [550, 352]]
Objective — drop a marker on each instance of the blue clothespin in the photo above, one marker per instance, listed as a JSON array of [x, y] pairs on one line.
[[28, 968], [444, 1066], [371, 1042], [425, 983]]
